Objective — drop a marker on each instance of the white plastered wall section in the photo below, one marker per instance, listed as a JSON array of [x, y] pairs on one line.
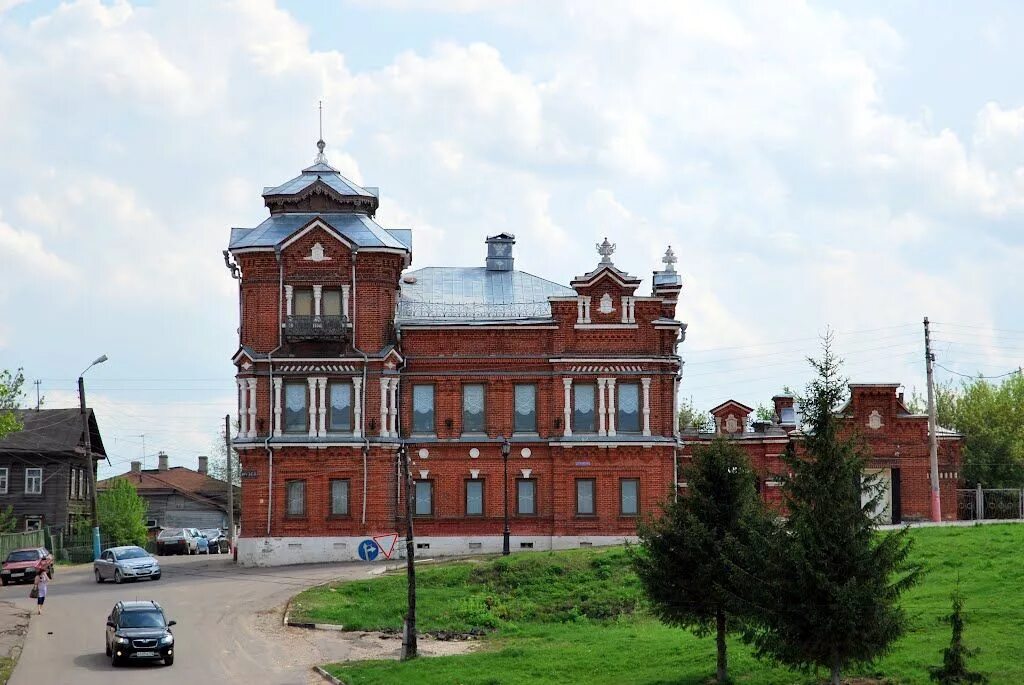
[[284, 551]]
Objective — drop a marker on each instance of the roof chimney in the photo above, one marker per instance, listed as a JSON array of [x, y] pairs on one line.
[[499, 252], [785, 409], [203, 461], [136, 467], [161, 461]]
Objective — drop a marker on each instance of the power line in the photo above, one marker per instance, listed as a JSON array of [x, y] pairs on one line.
[[980, 377]]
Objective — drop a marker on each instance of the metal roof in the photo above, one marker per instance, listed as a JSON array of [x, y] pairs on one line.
[[51, 431], [358, 228], [323, 172], [476, 294]]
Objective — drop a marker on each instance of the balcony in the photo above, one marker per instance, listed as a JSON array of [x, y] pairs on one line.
[[301, 328]]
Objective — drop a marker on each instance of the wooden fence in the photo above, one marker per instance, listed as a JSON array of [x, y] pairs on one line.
[[13, 541]]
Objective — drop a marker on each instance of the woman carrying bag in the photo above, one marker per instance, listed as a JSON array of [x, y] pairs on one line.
[[39, 590]]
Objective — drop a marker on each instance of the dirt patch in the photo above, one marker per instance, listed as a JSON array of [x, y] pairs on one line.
[[13, 629]]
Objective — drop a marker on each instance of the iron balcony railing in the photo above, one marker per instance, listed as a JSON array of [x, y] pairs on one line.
[[316, 327], [412, 309]]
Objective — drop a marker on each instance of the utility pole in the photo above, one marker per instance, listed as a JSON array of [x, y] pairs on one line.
[[409, 648], [90, 466], [933, 440], [39, 400], [231, 484]]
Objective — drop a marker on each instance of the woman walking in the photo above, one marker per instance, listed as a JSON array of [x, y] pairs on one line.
[[40, 585]]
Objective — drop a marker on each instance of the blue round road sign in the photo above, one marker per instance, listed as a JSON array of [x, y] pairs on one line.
[[368, 550]]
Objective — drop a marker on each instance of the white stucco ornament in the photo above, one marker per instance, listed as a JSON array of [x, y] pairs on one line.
[[424, 473], [874, 420], [606, 304], [316, 254], [731, 424], [474, 453], [525, 452], [423, 453], [474, 473], [526, 472]]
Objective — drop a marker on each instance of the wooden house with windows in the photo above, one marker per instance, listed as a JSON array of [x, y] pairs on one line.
[[345, 354], [44, 473]]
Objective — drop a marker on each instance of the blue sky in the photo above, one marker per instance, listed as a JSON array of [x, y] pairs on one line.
[[853, 165]]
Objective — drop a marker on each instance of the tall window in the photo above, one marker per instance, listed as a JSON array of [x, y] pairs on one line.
[[330, 302], [628, 414], [424, 503], [303, 305], [4, 480], [525, 419], [526, 497], [81, 483], [72, 493], [295, 407], [422, 409], [629, 496], [472, 409], [584, 416], [585, 497], [33, 481], [340, 418], [296, 495], [339, 497], [474, 498]]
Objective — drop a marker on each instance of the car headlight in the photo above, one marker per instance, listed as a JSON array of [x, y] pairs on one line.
[[167, 640], [121, 640]]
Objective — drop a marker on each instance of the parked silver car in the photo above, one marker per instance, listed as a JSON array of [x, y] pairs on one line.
[[125, 563]]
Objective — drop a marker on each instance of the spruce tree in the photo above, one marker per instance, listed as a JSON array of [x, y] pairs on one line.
[[954, 658], [685, 557], [826, 594]]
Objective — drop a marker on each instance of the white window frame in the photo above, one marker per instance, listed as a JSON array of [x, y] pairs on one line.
[[74, 482], [5, 479], [37, 520], [39, 491]]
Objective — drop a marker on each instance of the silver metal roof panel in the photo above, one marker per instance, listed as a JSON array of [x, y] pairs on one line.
[[358, 228]]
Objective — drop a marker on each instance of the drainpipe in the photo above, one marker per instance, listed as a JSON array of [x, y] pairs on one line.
[[270, 389], [366, 388]]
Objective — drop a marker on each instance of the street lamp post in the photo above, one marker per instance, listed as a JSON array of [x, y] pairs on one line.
[[90, 464], [410, 649], [506, 448]]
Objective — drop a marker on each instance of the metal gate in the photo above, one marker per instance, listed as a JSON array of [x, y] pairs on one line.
[[992, 503]]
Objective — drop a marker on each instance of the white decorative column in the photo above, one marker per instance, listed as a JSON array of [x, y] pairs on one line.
[[393, 427], [600, 407], [344, 301], [586, 309], [252, 407], [277, 406], [384, 432], [647, 405], [611, 407], [625, 309], [632, 310], [322, 412], [318, 293], [243, 414], [357, 407], [312, 406], [567, 382], [288, 300]]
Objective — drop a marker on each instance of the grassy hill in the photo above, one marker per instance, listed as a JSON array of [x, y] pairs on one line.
[[580, 616]]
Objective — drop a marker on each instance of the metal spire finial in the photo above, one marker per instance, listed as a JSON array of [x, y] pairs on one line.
[[605, 249], [320, 144], [669, 259]]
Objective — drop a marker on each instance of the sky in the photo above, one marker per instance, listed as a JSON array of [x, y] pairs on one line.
[[815, 166]]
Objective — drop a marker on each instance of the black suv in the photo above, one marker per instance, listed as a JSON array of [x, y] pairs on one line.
[[139, 631]]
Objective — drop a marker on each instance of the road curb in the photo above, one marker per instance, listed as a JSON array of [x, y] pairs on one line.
[[327, 676]]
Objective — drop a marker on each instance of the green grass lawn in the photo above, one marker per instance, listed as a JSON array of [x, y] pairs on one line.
[[579, 616]]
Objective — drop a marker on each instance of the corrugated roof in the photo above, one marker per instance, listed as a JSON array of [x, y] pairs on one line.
[[476, 294], [310, 175], [51, 430], [358, 228]]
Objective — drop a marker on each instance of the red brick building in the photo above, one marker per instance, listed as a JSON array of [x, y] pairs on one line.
[[896, 438], [345, 353]]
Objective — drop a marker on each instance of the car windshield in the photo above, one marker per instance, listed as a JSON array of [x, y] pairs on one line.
[[211, 533], [133, 553], [24, 555], [142, 619], [170, 533]]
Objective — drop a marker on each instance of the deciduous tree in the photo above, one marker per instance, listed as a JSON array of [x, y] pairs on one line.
[[10, 399], [122, 513]]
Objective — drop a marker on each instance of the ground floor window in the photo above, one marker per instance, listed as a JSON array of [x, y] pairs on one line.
[[424, 499], [629, 496], [339, 497], [585, 488], [296, 497], [33, 522], [526, 497], [474, 498]]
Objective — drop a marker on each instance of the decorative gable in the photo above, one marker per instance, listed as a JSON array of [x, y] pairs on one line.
[[731, 417]]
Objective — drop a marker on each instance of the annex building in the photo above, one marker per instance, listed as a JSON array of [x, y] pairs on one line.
[[346, 353]]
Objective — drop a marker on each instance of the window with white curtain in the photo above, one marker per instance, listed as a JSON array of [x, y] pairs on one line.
[[422, 409], [339, 418], [339, 497], [33, 481], [424, 503], [472, 408], [296, 495], [628, 408], [584, 416], [474, 498], [4, 480], [525, 419], [295, 407], [629, 496]]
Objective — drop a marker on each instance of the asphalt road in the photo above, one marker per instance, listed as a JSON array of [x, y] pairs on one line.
[[229, 625]]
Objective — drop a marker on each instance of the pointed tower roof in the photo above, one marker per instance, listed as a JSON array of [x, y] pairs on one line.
[[336, 193]]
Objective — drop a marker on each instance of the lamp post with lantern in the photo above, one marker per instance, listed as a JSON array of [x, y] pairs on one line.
[[506, 449]]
